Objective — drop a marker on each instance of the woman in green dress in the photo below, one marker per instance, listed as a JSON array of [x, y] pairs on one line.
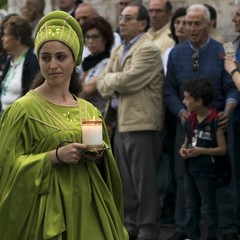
[[50, 187]]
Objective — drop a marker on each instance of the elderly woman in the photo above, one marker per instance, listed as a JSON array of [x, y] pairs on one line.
[[22, 66], [52, 187], [99, 38]]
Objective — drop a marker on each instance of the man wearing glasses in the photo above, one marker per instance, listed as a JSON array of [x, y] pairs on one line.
[[160, 12], [201, 56], [122, 4], [134, 76]]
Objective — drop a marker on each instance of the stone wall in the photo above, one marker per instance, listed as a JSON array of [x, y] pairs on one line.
[[225, 8], [109, 9]]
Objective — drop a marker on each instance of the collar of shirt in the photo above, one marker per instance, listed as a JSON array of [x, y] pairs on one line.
[[236, 43], [127, 46], [19, 60], [157, 34], [202, 47], [71, 11]]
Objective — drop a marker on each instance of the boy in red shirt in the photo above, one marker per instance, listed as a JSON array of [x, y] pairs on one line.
[[205, 154]]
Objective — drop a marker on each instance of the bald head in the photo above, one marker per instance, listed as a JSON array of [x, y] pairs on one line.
[[124, 3], [32, 9], [84, 11]]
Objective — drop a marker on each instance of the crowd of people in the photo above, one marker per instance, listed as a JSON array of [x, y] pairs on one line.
[[163, 86]]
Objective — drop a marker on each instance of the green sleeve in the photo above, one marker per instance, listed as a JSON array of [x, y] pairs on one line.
[[20, 170]]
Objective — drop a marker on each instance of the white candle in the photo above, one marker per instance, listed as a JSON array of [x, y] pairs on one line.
[[92, 132]]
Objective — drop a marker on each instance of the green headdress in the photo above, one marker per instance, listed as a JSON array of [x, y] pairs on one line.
[[60, 26]]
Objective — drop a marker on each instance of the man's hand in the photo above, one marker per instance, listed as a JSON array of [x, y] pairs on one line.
[[184, 116], [223, 120]]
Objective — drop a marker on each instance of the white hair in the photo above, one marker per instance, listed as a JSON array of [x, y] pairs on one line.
[[202, 8]]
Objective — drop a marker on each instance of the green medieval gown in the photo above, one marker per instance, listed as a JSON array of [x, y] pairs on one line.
[[39, 200]]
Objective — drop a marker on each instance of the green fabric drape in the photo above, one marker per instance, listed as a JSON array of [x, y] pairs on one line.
[[40, 201]]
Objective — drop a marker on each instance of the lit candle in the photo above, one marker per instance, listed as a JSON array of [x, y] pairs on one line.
[[92, 132]]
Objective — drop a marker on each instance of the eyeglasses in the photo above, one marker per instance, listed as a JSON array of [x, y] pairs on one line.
[[195, 58], [93, 37], [126, 18]]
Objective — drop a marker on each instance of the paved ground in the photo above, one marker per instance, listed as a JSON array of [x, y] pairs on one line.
[[168, 230]]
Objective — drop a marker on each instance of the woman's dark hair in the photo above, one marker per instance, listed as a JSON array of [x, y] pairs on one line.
[[178, 13], [213, 13], [200, 88], [20, 28], [75, 86], [103, 26], [4, 20]]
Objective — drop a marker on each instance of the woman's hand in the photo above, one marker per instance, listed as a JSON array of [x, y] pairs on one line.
[[229, 64], [94, 156], [89, 89], [72, 153], [69, 154]]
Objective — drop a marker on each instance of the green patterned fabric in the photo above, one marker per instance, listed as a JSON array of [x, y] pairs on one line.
[[40, 201], [61, 26]]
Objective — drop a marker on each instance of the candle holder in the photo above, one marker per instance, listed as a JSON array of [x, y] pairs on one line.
[[92, 134]]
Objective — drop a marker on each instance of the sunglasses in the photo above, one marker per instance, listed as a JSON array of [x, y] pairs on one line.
[[195, 58]]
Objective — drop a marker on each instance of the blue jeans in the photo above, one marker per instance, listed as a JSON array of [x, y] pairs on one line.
[[200, 193]]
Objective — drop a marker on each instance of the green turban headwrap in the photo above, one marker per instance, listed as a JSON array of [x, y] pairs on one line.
[[60, 26]]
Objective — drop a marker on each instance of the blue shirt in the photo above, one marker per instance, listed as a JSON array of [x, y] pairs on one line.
[[211, 66]]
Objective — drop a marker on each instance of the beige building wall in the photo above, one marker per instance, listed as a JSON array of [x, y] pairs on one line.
[[225, 8], [109, 9]]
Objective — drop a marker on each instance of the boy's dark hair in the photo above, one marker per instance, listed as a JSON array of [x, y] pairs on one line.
[[200, 88]]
